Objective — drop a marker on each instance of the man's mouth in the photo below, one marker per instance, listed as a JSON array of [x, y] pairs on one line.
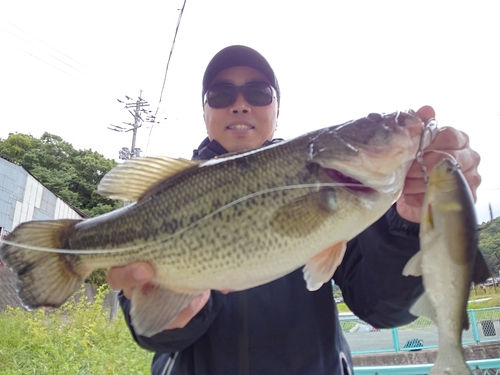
[[240, 127]]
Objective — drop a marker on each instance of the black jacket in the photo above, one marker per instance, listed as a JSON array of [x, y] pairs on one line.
[[281, 328]]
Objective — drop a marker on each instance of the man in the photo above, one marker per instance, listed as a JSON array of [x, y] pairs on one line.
[[281, 327]]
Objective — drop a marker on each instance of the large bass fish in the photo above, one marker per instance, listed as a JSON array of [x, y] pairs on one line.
[[230, 223]]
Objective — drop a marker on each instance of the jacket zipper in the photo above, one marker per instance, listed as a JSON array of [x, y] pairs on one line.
[[243, 347], [167, 370]]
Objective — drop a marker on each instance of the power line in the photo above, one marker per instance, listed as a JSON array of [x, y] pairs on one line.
[[166, 71], [51, 55], [55, 67], [41, 41]]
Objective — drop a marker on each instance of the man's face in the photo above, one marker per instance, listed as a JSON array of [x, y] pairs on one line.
[[241, 126]]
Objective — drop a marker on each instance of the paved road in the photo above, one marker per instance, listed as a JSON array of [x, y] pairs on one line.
[[383, 340]]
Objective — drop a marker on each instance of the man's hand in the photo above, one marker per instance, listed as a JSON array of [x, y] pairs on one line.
[[450, 141], [136, 275]]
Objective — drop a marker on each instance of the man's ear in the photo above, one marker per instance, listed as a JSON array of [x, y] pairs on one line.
[[204, 118]]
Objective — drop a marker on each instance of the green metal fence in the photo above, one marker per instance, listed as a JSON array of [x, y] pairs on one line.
[[480, 367], [421, 334]]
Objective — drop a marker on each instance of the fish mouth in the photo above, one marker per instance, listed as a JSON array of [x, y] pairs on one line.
[[351, 183]]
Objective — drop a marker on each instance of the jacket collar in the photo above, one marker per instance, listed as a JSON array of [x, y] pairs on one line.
[[209, 149]]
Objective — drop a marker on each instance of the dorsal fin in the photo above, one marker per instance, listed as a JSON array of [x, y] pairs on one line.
[[481, 271], [131, 179]]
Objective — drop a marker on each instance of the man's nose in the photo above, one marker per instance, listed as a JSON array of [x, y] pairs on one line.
[[240, 105]]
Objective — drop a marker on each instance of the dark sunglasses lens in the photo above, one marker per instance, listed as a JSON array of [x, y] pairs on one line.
[[255, 93], [258, 93], [221, 96]]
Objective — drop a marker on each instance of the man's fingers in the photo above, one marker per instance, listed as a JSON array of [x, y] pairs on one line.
[[414, 188], [449, 142], [130, 276], [454, 145], [414, 183], [449, 139], [431, 158], [426, 113], [414, 200], [474, 179], [189, 312]]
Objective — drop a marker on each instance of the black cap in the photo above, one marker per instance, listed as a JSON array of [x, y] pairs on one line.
[[239, 56]]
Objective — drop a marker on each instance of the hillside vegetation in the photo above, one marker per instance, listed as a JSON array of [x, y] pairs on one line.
[[71, 174], [489, 244]]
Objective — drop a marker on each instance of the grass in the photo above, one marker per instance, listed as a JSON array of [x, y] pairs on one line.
[[342, 307], [78, 338], [476, 294], [489, 292]]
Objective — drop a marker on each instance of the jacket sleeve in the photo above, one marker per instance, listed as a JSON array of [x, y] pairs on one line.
[[370, 275], [175, 340]]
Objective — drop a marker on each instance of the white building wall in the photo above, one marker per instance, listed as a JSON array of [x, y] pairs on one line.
[[23, 198], [63, 211]]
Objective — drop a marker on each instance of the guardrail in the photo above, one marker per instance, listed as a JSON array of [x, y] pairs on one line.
[[479, 367], [421, 334]]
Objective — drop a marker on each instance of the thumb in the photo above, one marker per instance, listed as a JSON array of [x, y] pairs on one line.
[[426, 113]]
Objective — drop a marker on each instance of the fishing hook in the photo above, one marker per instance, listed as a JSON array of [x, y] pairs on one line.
[[430, 127]]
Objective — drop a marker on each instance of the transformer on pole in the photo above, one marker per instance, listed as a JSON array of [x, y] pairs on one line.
[[135, 109]]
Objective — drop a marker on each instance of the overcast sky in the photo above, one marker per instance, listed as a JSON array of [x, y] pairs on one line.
[[65, 63]]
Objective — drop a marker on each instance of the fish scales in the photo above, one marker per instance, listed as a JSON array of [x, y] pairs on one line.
[[178, 255], [234, 222], [187, 250], [183, 199]]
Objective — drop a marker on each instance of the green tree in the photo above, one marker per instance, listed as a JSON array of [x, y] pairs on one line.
[[16, 145], [71, 174], [489, 243]]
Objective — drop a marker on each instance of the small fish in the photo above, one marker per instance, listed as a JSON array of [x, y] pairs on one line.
[[449, 260], [230, 223]]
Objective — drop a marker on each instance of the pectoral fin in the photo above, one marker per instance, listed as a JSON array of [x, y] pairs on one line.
[[321, 267], [414, 265], [154, 307], [305, 214], [424, 307]]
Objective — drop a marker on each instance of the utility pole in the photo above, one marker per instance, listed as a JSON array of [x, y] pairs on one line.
[[135, 109]]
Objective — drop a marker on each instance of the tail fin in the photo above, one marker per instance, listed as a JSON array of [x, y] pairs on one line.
[[44, 279]]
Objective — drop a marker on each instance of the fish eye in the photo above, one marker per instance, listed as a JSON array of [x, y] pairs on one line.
[[375, 116]]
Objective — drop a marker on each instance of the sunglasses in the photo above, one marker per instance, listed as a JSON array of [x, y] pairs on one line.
[[222, 95]]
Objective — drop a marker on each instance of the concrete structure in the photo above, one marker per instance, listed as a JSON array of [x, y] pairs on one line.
[[24, 198], [471, 352], [8, 294]]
